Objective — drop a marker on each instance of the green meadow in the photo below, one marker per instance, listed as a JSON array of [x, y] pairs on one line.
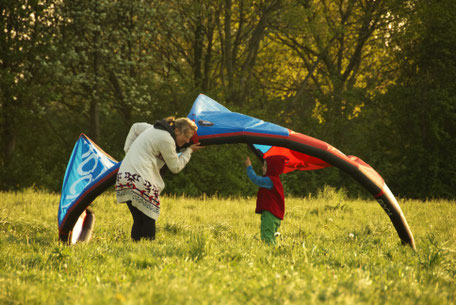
[[332, 250]]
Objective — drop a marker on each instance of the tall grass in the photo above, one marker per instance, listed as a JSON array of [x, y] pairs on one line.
[[332, 250]]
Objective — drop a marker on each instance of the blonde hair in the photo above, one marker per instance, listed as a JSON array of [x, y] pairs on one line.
[[184, 125]]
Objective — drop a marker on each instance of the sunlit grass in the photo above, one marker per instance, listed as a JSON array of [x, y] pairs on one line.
[[332, 250]]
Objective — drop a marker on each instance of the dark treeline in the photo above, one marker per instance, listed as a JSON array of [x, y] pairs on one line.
[[373, 78]]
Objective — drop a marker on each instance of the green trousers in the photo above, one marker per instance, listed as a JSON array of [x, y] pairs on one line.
[[269, 226]]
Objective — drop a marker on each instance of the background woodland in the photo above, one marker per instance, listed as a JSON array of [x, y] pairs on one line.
[[373, 78]]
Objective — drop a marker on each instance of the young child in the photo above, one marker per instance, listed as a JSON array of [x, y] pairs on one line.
[[270, 198]]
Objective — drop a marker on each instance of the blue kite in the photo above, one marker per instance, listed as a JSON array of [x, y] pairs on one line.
[[218, 125], [89, 173]]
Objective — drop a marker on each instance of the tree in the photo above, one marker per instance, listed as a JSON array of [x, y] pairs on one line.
[[338, 57], [213, 46], [24, 80], [419, 112]]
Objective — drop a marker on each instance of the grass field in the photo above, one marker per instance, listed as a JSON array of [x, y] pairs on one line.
[[332, 250]]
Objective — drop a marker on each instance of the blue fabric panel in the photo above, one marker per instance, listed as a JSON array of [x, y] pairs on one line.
[[263, 148], [213, 119], [204, 103], [87, 165]]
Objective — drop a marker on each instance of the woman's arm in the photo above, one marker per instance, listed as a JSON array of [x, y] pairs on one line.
[[174, 161], [135, 130]]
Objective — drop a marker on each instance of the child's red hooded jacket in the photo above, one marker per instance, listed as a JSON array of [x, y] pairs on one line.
[[272, 200]]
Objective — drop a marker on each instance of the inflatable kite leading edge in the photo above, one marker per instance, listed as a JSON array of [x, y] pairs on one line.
[[218, 125]]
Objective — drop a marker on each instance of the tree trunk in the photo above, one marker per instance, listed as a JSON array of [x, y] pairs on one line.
[[8, 134], [94, 128]]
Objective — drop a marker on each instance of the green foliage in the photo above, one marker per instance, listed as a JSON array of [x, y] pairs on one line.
[[417, 127], [331, 250], [217, 170], [373, 79]]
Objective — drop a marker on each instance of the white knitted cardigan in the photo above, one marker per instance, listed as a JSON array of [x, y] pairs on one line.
[[147, 150]]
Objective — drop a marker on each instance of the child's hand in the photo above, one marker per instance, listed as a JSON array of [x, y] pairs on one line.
[[248, 162]]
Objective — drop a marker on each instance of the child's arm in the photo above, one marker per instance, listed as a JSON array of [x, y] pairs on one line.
[[258, 180]]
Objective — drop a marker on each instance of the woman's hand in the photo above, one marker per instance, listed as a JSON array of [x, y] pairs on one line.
[[248, 162], [196, 146]]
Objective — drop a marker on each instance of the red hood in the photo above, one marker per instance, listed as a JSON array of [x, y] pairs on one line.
[[276, 165]]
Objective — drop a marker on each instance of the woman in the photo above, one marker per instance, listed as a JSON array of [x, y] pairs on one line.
[[139, 183]]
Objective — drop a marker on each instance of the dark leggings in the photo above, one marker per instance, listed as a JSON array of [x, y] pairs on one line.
[[143, 226]]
